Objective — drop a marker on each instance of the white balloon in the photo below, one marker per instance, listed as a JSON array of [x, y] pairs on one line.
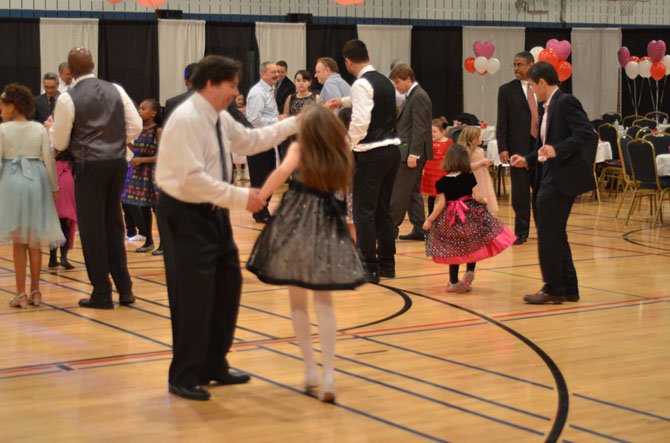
[[632, 70], [645, 68], [536, 52], [480, 64], [492, 65], [666, 62]]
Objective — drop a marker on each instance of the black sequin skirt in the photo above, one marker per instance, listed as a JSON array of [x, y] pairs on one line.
[[306, 243]]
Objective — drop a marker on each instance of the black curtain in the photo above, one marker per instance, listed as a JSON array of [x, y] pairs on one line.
[[238, 41], [636, 40], [128, 56], [328, 41], [20, 53], [539, 37], [437, 61]]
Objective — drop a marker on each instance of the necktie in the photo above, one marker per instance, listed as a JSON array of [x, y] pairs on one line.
[[222, 152], [52, 104], [533, 111]]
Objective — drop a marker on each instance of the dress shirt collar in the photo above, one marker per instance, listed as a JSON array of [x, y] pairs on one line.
[[366, 68], [409, 91], [265, 85], [83, 77], [334, 75], [204, 107], [546, 104]]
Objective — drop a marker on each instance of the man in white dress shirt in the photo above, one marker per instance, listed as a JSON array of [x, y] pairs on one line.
[[95, 119], [375, 146], [65, 77], [194, 172]]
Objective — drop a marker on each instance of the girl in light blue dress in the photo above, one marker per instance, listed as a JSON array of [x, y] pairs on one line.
[[28, 188]]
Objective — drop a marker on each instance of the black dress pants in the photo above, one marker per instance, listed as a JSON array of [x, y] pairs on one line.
[[558, 270], [97, 191], [260, 167], [373, 184], [204, 284]]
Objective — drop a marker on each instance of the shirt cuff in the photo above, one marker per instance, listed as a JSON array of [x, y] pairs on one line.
[[240, 197], [414, 156], [346, 102]]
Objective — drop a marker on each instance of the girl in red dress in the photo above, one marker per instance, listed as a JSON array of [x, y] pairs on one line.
[[432, 171]]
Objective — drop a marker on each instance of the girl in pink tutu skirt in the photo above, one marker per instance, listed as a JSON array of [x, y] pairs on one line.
[[462, 230]]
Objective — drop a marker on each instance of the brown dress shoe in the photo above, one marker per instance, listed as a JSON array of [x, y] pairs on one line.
[[541, 298]]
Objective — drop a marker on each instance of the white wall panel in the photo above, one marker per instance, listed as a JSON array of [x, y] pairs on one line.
[[651, 12]]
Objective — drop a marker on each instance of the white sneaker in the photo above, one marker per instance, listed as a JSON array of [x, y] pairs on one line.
[[137, 237]]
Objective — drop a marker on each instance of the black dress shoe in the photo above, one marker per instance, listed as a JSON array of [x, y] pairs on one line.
[[372, 277], [387, 271], [541, 298], [571, 297], [261, 219], [520, 239], [193, 393], [127, 299], [414, 235], [66, 264], [96, 304], [230, 378]]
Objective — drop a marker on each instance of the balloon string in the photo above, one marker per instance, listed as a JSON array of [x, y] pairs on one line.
[[639, 96], [662, 92], [630, 93], [482, 113], [634, 96], [653, 104]]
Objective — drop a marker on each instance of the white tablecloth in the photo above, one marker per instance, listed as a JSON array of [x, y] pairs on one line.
[[663, 127], [663, 164], [492, 152], [604, 152]]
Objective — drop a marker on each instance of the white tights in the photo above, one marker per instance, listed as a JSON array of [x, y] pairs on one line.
[[323, 305]]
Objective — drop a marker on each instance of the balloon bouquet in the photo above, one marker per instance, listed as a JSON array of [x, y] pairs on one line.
[[655, 65], [147, 3], [483, 63], [555, 53]]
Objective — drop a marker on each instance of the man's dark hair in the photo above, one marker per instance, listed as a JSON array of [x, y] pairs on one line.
[[216, 69], [527, 56], [188, 71], [282, 63], [305, 74], [50, 76], [543, 70], [356, 51]]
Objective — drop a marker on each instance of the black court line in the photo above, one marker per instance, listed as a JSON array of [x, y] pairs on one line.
[[625, 408], [561, 385], [599, 434], [627, 238]]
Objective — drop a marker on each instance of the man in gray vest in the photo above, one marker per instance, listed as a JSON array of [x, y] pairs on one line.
[[95, 119]]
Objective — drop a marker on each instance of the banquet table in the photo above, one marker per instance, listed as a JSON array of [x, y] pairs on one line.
[[604, 152]]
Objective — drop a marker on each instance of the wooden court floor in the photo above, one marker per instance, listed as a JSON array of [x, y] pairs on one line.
[[413, 363]]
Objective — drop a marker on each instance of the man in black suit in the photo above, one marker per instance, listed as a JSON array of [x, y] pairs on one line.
[[565, 132], [414, 129], [175, 101], [284, 86], [45, 103], [516, 133]]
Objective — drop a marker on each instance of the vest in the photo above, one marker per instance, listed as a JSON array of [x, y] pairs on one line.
[[99, 128], [383, 116]]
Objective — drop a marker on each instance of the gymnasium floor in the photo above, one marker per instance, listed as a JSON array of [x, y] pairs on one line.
[[414, 364]]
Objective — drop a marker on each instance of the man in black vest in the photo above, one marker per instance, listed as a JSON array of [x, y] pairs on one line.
[[377, 159], [95, 119]]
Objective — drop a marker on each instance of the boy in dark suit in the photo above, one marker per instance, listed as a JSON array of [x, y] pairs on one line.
[[565, 131]]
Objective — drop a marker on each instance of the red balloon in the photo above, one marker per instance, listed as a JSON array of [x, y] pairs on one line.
[[565, 70], [644, 58], [658, 71], [151, 3], [634, 59], [549, 55], [114, 1], [469, 64]]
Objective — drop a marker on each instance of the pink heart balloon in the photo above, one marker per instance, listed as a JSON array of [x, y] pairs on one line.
[[562, 48], [484, 49], [656, 50], [624, 56]]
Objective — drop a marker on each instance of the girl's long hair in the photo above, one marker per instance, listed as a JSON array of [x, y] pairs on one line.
[[326, 159], [468, 136], [457, 159]]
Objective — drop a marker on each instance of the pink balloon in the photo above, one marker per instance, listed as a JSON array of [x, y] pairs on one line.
[[151, 3], [624, 56], [562, 48], [349, 2], [656, 50], [484, 49]]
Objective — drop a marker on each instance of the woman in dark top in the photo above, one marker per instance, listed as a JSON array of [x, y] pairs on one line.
[[303, 96], [462, 230]]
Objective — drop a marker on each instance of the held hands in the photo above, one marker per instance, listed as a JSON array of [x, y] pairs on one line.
[[255, 202], [518, 161], [48, 122], [55, 194], [333, 103], [504, 157], [411, 162], [136, 161]]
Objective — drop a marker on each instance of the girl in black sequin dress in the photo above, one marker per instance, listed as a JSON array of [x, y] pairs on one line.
[[462, 230], [306, 244]]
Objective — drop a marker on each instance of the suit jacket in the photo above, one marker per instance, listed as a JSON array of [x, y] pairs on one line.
[[172, 103], [513, 125], [570, 132], [414, 125], [286, 88], [42, 111]]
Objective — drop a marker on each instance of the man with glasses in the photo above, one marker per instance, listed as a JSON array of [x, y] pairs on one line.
[[516, 133]]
